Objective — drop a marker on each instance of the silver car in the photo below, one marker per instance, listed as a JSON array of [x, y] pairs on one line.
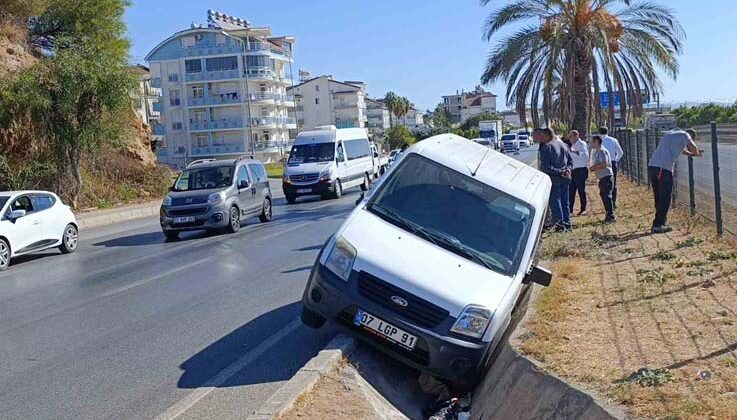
[[216, 194]]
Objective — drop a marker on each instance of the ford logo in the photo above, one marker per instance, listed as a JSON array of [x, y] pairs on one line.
[[399, 301]]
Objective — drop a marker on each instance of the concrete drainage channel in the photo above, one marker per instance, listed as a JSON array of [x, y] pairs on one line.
[[514, 387]]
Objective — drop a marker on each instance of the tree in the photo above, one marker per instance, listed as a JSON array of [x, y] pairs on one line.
[[391, 100], [402, 108], [399, 135], [573, 48], [441, 116], [473, 122]]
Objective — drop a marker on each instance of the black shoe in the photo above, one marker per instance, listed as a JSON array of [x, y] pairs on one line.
[[661, 229], [568, 227], [610, 220]]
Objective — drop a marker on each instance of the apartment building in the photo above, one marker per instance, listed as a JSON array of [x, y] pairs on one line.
[[378, 118], [146, 101], [324, 101], [224, 90], [464, 105], [413, 120]]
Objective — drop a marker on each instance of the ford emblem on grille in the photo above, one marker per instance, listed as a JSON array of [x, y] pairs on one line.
[[399, 301]]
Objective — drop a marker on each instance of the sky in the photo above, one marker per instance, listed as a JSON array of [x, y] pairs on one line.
[[426, 49]]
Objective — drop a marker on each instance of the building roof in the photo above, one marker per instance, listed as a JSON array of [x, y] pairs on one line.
[[329, 78]]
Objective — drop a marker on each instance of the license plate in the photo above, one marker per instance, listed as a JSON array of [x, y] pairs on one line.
[[385, 329], [304, 190], [186, 219]]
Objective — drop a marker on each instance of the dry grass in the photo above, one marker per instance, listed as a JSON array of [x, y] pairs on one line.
[[649, 321]]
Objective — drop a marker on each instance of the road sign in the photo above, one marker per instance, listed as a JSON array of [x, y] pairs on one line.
[[616, 96]]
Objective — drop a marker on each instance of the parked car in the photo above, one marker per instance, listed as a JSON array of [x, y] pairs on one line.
[[216, 194], [431, 265], [510, 143], [328, 161], [33, 221], [392, 155], [524, 140]]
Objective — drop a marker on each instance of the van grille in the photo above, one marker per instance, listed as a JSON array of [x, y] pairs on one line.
[[417, 310], [304, 178], [193, 211], [185, 201]]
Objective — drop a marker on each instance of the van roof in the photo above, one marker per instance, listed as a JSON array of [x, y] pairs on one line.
[[488, 166], [330, 135]]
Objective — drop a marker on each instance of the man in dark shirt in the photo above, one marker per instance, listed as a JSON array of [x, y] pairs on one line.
[[556, 161]]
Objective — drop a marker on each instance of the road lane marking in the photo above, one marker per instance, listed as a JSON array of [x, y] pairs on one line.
[[156, 277], [281, 232], [181, 406], [322, 205]]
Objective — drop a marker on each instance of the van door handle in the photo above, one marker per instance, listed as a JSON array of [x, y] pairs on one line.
[[36, 222]]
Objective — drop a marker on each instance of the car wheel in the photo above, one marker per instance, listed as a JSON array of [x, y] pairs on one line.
[[291, 199], [265, 215], [338, 189], [69, 240], [4, 255], [366, 183], [171, 235], [234, 221], [311, 318]]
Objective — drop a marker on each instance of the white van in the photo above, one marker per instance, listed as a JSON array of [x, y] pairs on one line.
[[435, 263], [327, 161]]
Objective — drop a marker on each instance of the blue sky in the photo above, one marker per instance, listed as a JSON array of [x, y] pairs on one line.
[[424, 49]]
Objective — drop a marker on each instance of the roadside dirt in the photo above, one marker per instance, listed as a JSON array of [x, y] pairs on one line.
[[647, 321]]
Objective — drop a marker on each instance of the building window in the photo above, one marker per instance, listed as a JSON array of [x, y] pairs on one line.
[[174, 99], [188, 42], [317, 101], [259, 61], [176, 126], [266, 136], [221, 63], [193, 66], [198, 92]]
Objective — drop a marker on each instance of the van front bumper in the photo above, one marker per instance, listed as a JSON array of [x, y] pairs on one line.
[[317, 188], [436, 351], [209, 217]]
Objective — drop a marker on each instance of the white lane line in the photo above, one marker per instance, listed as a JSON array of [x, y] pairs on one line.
[[281, 232], [321, 206], [156, 277], [181, 406]]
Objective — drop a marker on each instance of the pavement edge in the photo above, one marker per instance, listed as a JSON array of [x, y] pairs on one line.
[[305, 379]]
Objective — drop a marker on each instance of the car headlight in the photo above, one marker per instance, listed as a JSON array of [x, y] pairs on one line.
[[167, 200], [341, 258], [285, 179], [216, 197], [473, 321]]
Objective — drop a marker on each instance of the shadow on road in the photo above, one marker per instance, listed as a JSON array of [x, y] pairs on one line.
[[151, 238], [33, 257]]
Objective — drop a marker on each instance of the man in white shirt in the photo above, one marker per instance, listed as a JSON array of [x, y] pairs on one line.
[[615, 152], [580, 173]]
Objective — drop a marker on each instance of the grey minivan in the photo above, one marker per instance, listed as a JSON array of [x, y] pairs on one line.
[[216, 194]]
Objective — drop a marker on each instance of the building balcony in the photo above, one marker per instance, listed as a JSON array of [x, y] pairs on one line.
[[154, 114], [212, 75], [161, 153], [157, 106], [345, 105], [211, 49], [156, 82], [273, 146], [224, 149], [274, 122], [375, 112], [173, 78], [158, 130], [217, 99], [224, 124], [377, 124], [154, 92]]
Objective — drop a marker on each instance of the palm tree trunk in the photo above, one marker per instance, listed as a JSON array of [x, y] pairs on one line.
[[582, 94]]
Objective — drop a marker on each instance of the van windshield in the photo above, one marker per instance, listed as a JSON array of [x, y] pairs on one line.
[[509, 137], [455, 212], [205, 178], [315, 152]]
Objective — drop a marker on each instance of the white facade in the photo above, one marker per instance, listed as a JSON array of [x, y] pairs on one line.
[[413, 120], [378, 118], [224, 91], [465, 105], [324, 101], [146, 99]]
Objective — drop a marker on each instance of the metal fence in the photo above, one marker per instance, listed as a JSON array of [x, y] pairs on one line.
[[706, 186]]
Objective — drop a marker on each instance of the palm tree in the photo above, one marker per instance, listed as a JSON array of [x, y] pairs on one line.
[[403, 106], [570, 49], [391, 100]]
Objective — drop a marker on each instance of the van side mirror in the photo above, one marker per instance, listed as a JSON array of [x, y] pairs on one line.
[[242, 184], [539, 275], [16, 214]]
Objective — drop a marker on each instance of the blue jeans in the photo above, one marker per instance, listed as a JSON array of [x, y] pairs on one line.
[[559, 200]]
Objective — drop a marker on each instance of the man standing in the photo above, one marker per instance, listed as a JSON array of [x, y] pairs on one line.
[[580, 173], [660, 170], [555, 160], [615, 152], [601, 165]]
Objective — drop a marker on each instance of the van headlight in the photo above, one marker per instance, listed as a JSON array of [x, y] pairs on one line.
[[216, 197], [167, 200], [473, 321], [327, 174], [341, 258], [285, 179]]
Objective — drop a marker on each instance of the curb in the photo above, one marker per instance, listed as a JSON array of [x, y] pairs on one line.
[[98, 218], [305, 379]]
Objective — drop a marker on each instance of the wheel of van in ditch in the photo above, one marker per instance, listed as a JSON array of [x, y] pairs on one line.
[[234, 221], [338, 189], [265, 215], [69, 240], [366, 183]]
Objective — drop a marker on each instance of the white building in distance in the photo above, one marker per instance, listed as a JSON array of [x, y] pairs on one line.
[[324, 101]]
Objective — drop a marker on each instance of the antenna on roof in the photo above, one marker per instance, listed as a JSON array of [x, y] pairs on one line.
[[473, 173]]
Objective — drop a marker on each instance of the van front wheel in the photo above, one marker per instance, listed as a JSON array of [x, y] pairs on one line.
[[366, 183], [338, 189]]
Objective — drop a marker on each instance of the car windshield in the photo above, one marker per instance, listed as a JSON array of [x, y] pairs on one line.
[[205, 178], [509, 137], [455, 212], [316, 152]]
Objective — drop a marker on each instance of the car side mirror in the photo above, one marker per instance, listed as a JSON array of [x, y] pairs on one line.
[[539, 275], [16, 214], [360, 198]]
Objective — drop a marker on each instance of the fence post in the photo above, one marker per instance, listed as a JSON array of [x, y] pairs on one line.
[[637, 149], [629, 153], [717, 187], [691, 192], [647, 153]]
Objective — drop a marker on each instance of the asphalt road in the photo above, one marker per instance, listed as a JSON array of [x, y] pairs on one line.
[[131, 326]]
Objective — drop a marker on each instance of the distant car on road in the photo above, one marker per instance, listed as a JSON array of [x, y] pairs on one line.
[[434, 263], [33, 221], [510, 143], [216, 194]]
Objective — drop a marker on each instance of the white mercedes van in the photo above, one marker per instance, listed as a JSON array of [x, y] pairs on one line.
[[434, 262], [327, 161]]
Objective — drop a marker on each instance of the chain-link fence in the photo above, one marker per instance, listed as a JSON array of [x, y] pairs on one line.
[[707, 186]]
